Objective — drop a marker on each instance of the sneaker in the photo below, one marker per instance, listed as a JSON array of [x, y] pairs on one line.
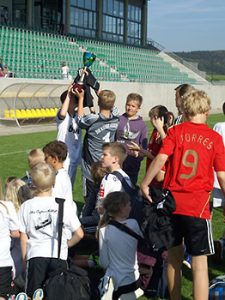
[[38, 295], [21, 296], [187, 261]]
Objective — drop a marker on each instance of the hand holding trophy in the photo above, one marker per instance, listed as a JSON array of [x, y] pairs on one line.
[[85, 79]]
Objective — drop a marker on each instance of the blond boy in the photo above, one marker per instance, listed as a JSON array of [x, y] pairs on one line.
[[39, 231]]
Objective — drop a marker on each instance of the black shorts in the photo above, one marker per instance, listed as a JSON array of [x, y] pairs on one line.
[[195, 232], [38, 269], [5, 281]]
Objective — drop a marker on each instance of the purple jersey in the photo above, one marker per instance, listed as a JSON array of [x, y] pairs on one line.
[[134, 130]]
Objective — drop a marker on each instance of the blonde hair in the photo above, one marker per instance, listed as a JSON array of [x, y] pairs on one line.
[[98, 172], [106, 99], [17, 191], [35, 156], [116, 149], [43, 177], [112, 205], [196, 102], [135, 97]]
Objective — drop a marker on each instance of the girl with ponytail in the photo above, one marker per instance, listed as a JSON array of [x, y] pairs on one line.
[[117, 249]]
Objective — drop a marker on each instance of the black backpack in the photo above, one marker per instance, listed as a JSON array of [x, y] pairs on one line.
[[72, 284], [62, 284], [157, 226]]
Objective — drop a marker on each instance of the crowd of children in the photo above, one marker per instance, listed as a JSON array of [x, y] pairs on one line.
[[180, 158]]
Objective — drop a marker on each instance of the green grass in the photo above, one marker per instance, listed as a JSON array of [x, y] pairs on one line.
[[13, 161], [215, 77]]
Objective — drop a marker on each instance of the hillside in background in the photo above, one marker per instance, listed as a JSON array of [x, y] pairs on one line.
[[211, 62]]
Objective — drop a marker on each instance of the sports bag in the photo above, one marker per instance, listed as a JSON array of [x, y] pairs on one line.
[[72, 284], [217, 288], [157, 226]]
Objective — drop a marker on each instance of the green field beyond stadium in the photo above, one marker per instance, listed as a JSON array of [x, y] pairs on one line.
[[13, 162]]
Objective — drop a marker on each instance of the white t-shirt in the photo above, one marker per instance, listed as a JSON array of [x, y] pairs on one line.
[[71, 135], [110, 183], [119, 258], [218, 196], [63, 186], [8, 222], [38, 219]]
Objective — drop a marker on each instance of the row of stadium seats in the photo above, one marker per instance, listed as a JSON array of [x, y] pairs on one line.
[[30, 113], [34, 54]]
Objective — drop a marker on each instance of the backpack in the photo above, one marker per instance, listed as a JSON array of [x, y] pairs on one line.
[[217, 288], [137, 202], [157, 226], [72, 284]]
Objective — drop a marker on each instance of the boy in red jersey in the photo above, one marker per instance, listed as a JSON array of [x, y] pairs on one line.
[[193, 150]]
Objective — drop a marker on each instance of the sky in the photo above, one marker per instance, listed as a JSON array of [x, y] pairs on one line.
[[187, 25]]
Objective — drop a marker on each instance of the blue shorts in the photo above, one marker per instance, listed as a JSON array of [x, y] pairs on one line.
[[196, 233]]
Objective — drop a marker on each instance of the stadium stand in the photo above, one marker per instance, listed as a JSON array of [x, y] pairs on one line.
[[30, 101], [33, 54]]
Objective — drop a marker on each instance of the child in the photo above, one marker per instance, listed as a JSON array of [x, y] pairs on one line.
[[55, 154], [218, 197], [35, 156], [17, 192], [113, 156], [181, 90], [98, 171], [161, 120], [100, 128], [39, 231], [69, 132], [9, 228], [132, 128], [193, 150], [119, 259]]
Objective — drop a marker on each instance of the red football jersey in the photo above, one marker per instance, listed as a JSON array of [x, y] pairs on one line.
[[194, 151]]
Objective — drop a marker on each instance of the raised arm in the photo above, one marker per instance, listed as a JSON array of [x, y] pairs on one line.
[[158, 123], [80, 95], [65, 106]]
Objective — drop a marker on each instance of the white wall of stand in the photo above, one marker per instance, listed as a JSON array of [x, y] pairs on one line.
[[19, 93]]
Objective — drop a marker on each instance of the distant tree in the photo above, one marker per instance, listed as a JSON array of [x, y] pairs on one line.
[[211, 62]]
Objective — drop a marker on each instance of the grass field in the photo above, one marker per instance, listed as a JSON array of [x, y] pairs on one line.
[[215, 77], [13, 162]]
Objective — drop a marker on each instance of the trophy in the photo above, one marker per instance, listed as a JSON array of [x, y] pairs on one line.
[[85, 79]]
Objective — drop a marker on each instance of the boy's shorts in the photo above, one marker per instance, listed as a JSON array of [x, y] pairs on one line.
[[38, 269], [196, 233], [5, 281]]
